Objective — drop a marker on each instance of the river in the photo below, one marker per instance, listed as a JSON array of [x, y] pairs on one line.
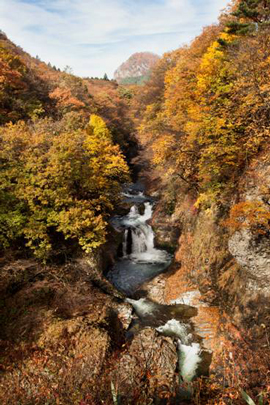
[[139, 263]]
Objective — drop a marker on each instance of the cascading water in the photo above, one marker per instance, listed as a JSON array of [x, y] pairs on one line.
[[142, 237], [125, 243], [141, 261]]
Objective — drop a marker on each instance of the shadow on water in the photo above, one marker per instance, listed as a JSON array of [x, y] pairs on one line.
[[127, 275]]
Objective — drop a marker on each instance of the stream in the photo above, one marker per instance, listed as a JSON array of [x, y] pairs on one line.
[[140, 262]]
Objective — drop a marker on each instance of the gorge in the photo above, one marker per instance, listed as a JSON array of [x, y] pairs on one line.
[[135, 225]]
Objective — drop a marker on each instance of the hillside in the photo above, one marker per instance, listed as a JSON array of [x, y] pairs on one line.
[[43, 107], [136, 69], [203, 123], [64, 147]]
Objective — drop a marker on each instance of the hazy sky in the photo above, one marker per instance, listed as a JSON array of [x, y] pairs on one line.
[[96, 36]]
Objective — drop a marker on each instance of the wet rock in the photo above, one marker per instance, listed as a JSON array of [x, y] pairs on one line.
[[93, 269], [154, 289], [152, 313], [166, 230], [108, 253], [150, 360], [124, 312], [141, 208]]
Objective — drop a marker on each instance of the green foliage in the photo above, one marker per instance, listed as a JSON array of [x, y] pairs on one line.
[[251, 15], [58, 181], [139, 80]]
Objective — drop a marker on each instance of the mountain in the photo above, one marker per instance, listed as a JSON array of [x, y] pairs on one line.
[[136, 69]]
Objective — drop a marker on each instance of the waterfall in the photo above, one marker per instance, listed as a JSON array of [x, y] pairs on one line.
[[142, 306], [141, 237], [134, 212], [125, 243], [189, 359], [138, 259], [148, 212], [138, 241], [178, 329]]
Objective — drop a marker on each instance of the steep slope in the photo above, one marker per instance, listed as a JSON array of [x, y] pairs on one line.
[[203, 123], [136, 69], [41, 108]]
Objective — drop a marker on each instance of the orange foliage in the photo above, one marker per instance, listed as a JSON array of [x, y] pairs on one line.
[[252, 215], [65, 99]]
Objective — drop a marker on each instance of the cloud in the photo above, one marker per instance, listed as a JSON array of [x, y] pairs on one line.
[[96, 36]]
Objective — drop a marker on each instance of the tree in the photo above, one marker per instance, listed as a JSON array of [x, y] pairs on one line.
[[251, 215], [208, 118], [250, 15], [58, 184], [68, 69]]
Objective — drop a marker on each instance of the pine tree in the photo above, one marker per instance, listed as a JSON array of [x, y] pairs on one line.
[[251, 15]]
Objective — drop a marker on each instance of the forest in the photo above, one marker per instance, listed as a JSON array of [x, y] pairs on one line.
[[196, 133]]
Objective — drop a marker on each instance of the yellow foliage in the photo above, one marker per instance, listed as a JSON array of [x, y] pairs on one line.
[[162, 149], [58, 183], [98, 129], [213, 115]]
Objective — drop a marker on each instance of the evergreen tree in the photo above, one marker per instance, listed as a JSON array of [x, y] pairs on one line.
[[251, 15]]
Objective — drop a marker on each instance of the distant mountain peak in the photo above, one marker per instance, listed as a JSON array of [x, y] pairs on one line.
[[136, 68]]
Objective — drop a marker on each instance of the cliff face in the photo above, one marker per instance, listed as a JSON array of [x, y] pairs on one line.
[[137, 67], [59, 324], [231, 268], [252, 252]]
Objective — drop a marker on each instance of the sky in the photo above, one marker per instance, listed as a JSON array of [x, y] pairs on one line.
[[94, 37]]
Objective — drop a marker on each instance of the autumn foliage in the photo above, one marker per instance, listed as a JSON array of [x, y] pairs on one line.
[[58, 181], [250, 215], [60, 173], [210, 115]]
